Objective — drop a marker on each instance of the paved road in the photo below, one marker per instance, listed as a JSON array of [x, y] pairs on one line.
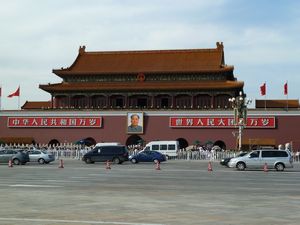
[[182, 192]]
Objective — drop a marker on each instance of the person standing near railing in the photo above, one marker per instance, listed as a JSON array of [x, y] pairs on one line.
[[297, 156]]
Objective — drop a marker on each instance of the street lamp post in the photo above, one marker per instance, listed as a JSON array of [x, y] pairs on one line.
[[239, 105]]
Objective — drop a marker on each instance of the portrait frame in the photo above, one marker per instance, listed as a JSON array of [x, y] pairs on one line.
[[130, 128]]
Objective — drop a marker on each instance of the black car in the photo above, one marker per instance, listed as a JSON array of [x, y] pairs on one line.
[[225, 161], [114, 153]]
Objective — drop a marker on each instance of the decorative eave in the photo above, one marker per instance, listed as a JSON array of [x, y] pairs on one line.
[[141, 86], [36, 105], [277, 103], [63, 73]]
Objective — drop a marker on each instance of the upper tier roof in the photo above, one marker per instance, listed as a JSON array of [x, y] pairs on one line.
[[154, 61], [138, 86]]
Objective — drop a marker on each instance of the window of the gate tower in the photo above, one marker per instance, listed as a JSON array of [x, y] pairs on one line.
[[98, 101], [142, 102], [78, 101], [164, 102], [183, 101], [119, 102]]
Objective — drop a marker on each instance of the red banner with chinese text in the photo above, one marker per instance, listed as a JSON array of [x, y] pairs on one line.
[[220, 122], [53, 122]]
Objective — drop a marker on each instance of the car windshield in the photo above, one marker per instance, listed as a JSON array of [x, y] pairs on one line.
[[254, 154]]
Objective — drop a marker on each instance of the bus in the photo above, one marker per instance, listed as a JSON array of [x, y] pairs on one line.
[[168, 148]]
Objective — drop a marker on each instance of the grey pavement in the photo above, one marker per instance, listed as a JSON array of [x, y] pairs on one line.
[[182, 192]]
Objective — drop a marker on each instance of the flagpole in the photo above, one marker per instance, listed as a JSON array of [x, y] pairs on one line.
[[265, 96], [0, 97], [287, 96], [19, 98], [265, 103]]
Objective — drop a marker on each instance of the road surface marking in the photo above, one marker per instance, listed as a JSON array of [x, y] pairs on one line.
[[34, 185], [74, 221]]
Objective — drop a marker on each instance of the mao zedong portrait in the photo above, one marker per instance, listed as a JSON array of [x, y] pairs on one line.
[[134, 126]]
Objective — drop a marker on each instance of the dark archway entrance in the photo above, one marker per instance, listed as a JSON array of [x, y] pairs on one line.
[[54, 142], [134, 140], [182, 143], [89, 141], [221, 144]]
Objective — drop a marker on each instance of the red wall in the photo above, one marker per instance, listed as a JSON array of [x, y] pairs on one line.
[[156, 127]]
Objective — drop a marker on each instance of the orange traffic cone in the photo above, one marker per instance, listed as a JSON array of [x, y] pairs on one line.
[[209, 167], [10, 164], [108, 165], [157, 167], [61, 164], [266, 167]]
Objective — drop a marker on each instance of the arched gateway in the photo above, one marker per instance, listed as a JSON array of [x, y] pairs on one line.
[[134, 140], [182, 143], [221, 144]]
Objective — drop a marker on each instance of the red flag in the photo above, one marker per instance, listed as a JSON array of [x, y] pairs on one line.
[[16, 93], [263, 89], [285, 87]]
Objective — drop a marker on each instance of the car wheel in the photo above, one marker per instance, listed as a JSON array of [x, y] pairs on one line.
[[116, 160], [41, 161], [88, 160], [279, 167], [156, 161], [240, 166], [133, 161], [16, 161]]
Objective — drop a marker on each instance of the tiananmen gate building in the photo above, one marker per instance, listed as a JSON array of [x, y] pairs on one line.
[[175, 95]]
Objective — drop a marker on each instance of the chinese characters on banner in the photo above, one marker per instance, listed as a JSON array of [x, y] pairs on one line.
[[174, 122], [68, 122], [220, 122]]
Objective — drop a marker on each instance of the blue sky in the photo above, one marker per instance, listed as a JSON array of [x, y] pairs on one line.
[[260, 38]]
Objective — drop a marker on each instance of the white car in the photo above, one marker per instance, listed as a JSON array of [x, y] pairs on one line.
[[40, 156], [278, 159]]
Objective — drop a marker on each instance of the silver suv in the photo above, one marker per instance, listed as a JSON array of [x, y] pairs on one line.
[[278, 159]]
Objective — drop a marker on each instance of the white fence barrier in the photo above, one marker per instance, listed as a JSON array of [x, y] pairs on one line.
[[76, 152], [182, 155]]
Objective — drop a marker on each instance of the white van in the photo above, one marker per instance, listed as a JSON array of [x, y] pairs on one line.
[[168, 148], [108, 144], [278, 159]]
